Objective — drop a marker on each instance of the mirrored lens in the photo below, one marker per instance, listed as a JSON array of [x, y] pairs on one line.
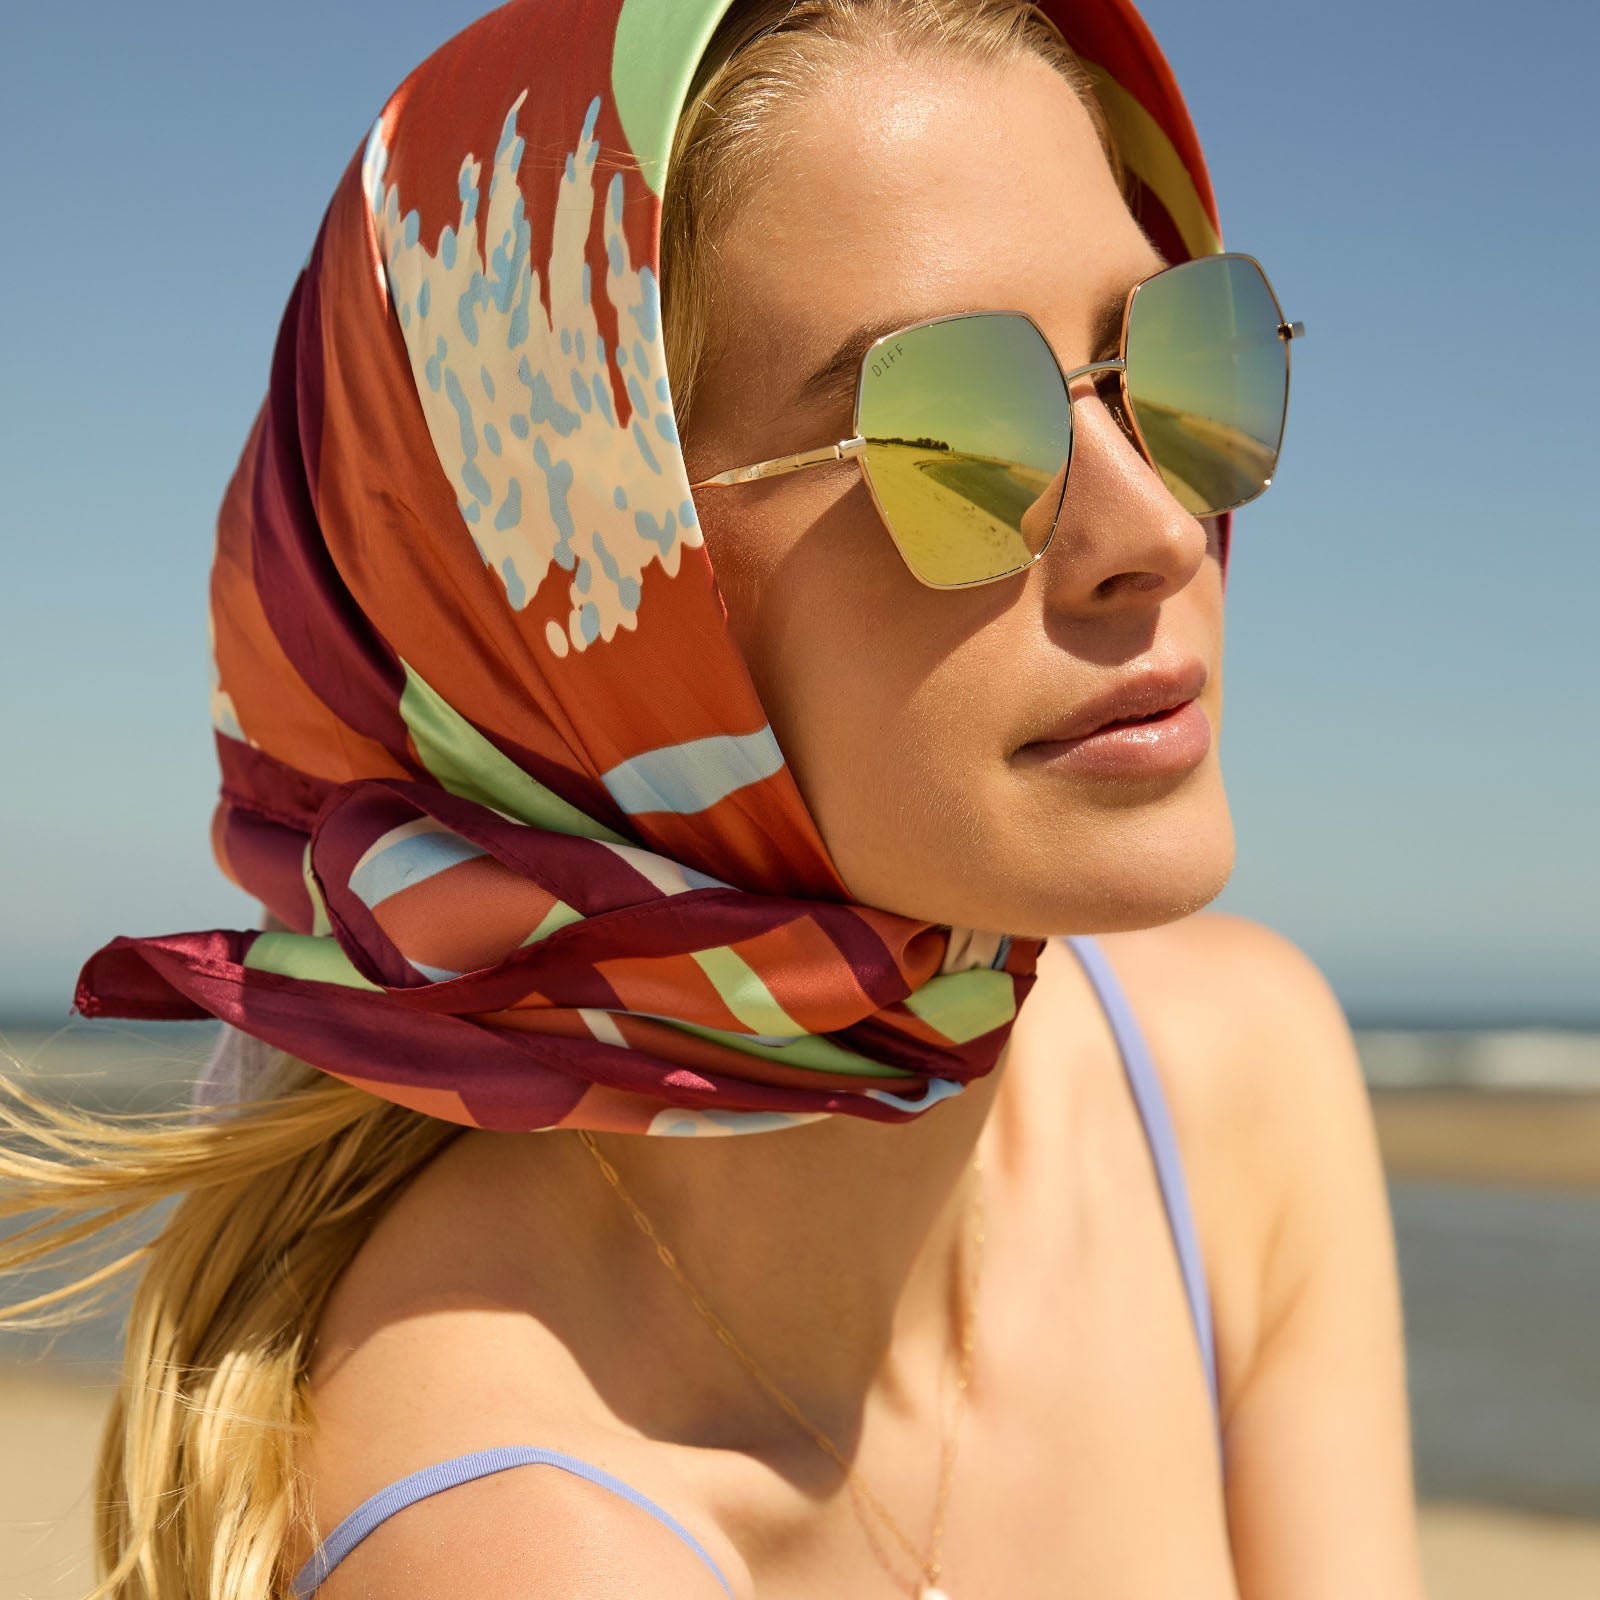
[[968, 432], [1208, 380]]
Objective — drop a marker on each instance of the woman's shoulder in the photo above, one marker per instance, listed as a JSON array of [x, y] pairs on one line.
[[1277, 1132], [1250, 1038], [1230, 995], [1244, 1028], [1260, 1072], [422, 1357]]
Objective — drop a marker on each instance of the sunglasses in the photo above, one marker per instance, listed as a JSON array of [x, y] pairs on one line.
[[963, 424]]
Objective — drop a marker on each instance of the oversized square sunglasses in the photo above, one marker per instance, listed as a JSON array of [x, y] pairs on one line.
[[963, 423]]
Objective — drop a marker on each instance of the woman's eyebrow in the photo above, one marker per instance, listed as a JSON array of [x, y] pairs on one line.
[[837, 375], [835, 378]]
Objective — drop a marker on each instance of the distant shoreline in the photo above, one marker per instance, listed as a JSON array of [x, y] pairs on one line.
[[47, 1022], [1541, 1139], [1517, 1108]]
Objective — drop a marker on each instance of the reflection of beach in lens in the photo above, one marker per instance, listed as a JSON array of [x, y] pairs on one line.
[[1207, 377], [1208, 465], [957, 516]]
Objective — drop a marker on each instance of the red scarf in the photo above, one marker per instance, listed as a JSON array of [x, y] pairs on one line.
[[487, 743]]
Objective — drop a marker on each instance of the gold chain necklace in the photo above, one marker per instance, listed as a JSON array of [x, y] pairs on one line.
[[926, 1586]]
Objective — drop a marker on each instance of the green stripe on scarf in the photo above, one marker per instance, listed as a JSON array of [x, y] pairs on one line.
[[305, 955], [466, 764], [966, 1005]]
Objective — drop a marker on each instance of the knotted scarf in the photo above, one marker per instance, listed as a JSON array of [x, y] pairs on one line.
[[488, 747]]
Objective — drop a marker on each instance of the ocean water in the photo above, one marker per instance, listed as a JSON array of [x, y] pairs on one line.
[[1502, 1304]]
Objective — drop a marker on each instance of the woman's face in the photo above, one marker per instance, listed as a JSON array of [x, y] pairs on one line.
[[917, 190]]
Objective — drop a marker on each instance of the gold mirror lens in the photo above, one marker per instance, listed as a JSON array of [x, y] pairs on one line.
[[1208, 380], [968, 434]]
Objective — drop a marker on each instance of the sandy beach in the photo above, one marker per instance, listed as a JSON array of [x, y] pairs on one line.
[[1529, 1139]]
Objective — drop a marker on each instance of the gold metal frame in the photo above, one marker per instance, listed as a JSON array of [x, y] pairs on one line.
[[854, 448]]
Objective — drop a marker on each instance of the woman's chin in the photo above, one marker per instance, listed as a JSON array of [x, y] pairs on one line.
[[1153, 881], [1036, 872], [1090, 895], [1104, 870], [1114, 902], [1115, 881]]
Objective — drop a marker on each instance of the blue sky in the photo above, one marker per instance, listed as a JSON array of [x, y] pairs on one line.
[[1411, 735]]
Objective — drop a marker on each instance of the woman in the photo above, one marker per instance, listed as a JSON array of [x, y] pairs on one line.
[[701, 834]]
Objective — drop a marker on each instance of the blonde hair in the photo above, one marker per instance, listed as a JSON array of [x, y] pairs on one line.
[[199, 1487]]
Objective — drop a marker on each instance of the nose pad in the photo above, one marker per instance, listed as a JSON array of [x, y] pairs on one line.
[[1106, 387], [1110, 392]]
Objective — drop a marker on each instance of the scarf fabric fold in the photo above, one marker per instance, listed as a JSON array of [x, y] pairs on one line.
[[488, 746]]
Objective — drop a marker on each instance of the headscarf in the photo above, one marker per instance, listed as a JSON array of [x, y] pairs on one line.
[[488, 746]]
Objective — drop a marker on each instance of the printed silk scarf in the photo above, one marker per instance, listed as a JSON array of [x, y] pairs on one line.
[[487, 744]]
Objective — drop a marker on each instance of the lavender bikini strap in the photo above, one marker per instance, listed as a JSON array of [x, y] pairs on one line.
[[463, 1469], [1151, 1101]]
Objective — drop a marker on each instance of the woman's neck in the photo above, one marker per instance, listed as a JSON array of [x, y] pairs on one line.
[[831, 1251]]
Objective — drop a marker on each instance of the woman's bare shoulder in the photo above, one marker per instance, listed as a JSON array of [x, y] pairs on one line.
[[424, 1353], [1268, 1102], [1277, 1133], [1246, 1028], [1229, 971]]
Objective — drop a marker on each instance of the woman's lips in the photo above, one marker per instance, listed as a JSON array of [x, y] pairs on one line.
[[1166, 743]]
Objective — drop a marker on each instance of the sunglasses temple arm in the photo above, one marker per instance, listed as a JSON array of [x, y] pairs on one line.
[[845, 450]]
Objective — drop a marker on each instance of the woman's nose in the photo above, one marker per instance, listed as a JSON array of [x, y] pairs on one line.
[[1120, 535]]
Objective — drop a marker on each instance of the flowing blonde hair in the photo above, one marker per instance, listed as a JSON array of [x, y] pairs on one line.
[[200, 1488]]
